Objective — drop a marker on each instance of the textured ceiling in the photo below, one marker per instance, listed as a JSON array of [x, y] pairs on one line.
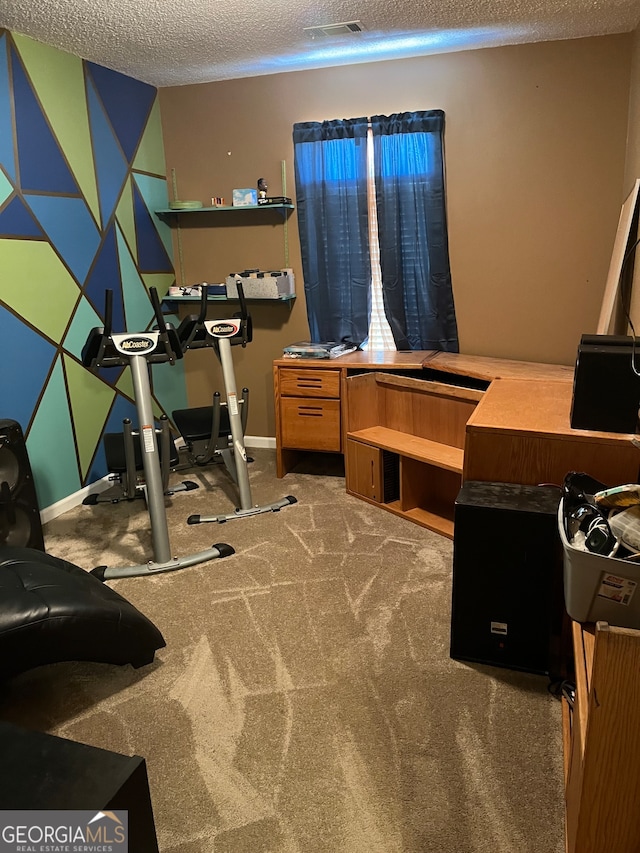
[[194, 41]]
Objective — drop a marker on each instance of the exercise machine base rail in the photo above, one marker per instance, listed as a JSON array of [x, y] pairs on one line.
[[105, 573], [243, 513]]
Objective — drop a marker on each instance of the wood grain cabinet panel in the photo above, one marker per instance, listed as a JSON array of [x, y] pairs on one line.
[[310, 424], [364, 470], [310, 383], [602, 734]]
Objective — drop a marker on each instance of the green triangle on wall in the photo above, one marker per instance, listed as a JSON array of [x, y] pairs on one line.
[[162, 281], [37, 286], [125, 384], [125, 218], [150, 154], [91, 400]]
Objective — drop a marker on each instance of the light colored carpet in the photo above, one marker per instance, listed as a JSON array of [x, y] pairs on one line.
[[306, 701]]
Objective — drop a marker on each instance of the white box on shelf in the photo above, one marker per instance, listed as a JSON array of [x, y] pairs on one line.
[[244, 197], [268, 285]]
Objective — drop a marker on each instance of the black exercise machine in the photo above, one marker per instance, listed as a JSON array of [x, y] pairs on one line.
[[137, 350], [206, 430], [126, 468]]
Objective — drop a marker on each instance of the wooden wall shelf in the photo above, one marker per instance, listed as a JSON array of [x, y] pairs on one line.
[[170, 213]]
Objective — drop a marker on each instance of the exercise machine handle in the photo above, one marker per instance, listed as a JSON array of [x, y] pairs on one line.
[[98, 343], [244, 314], [204, 293], [165, 339], [108, 312], [157, 309]]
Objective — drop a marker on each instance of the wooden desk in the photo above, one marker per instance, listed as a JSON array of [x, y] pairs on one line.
[[311, 403], [520, 432], [413, 426], [483, 367]]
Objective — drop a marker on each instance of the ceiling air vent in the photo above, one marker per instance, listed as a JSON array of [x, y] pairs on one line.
[[327, 30]]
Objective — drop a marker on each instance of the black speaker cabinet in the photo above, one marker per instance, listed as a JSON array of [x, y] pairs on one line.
[[44, 772], [19, 512], [508, 603], [606, 389]]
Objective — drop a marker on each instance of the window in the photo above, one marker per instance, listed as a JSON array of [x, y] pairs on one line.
[[371, 211]]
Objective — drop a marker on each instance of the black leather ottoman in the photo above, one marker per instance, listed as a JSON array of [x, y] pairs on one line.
[[52, 610]]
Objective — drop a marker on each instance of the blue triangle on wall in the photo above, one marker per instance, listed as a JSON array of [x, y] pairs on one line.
[[70, 228], [42, 166], [16, 220], [36, 356], [111, 166], [152, 255], [105, 275], [6, 122], [127, 103]]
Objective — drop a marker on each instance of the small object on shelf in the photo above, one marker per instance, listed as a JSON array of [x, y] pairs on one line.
[[262, 189], [185, 291], [217, 201], [275, 199], [196, 290], [185, 205], [245, 197], [324, 349]]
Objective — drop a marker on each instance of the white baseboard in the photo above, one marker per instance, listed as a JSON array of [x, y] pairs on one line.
[[75, 499], [260, 441]]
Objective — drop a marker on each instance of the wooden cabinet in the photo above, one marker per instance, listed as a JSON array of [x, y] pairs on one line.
[[310, 424], [307, 411], [404, 450], [601, 736], [311, 403], [364, 470]]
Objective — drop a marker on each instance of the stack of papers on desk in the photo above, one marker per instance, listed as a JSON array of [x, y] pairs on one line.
[[324, 349]]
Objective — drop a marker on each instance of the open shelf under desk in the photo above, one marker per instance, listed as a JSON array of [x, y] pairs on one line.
[[421, 449], [431, 520]]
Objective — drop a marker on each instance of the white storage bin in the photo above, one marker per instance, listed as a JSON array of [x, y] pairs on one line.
[[270, 285], [599, 588]]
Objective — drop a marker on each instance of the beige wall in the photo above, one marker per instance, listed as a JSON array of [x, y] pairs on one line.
[[632, 165], [535, 159]]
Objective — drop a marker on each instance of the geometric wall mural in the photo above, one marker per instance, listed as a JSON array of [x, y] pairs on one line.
[[81, 172]]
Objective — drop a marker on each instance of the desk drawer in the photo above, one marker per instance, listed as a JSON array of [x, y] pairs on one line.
[[310, 424], [310, 383]]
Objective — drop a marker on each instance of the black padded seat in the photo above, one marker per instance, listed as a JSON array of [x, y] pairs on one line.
[[195, 424], [116, 458], [52, 610]]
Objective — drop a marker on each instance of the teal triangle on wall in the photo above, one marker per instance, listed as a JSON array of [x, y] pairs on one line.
[[51, 446], [137, 304]]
